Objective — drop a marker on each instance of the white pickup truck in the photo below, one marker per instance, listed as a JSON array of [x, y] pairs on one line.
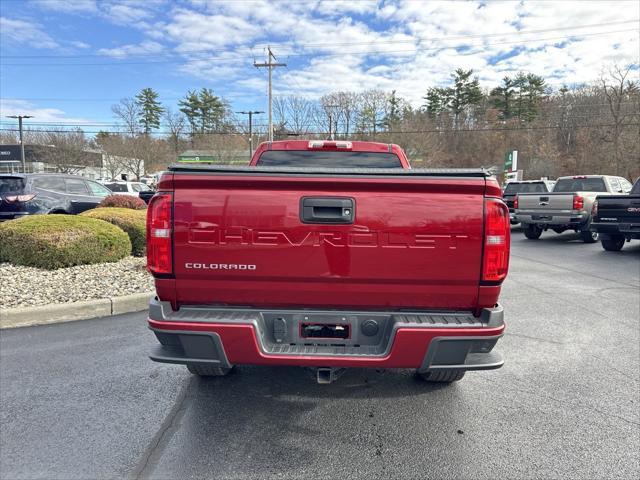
[[567, 206]]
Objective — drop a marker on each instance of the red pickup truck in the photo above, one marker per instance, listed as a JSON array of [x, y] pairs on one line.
[[328, 254]]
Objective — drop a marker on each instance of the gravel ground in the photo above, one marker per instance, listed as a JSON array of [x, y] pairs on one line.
[[28, 286]]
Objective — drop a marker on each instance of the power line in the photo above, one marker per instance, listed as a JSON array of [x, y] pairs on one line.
[[462, 130]]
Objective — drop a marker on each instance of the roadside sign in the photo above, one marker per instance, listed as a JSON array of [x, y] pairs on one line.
[[511, 161], [513, 176]]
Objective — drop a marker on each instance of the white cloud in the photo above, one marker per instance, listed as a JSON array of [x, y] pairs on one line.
[[406, 45], [69, 6], [23, 32], [10, 106], [79, 44], [198, 31], [122, 12], [146, 47]]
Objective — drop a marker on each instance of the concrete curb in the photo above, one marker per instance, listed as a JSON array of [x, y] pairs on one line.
[[69, 312]]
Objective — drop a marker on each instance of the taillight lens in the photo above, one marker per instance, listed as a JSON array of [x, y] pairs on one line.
[[515, 202], [594, 209], [159, 233], [578, 202], [19, 198], [496, 240]]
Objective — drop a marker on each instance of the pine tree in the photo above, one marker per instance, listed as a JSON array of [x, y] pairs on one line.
[[150, 110], [212, 111], [394, 112], [435, 101], [502, 98], [190, 106], [464, 94], [534, 92]]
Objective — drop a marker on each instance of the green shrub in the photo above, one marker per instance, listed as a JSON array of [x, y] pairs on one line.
[[123, 201], [57, 241], [134, 222]]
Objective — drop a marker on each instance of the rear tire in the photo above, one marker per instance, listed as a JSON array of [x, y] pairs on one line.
[[532, 231], [613, 243], [208, 371], [588, 236], [442, 376]]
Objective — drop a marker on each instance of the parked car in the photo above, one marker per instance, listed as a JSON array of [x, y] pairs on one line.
[[568, 206], [42, 193], [328, 254], [511, 189], [146, 195], [616, 218], [127, 188]]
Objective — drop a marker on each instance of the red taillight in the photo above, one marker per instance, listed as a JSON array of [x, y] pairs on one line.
[[496, 240], [515, 202], [594, 209], [159, 234], [578, 202]]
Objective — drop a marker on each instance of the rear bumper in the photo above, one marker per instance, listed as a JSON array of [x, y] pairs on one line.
[[629, 230], [573, 220], [422, 340]]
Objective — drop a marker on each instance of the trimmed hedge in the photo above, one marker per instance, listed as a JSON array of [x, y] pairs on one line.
[[57, 241], [123, 201], [133, 222]]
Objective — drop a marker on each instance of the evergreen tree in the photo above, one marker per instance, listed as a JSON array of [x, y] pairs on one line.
[[150, 110], [435, 101], [502, 98], [205, 111], [190, 106], [212, 111], [394, 112], [534, 92], [464, 94]]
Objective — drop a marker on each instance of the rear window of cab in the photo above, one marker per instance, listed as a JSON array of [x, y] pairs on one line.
[[328, 159]]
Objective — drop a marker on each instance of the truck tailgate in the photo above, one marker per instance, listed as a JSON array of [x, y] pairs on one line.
[[414, 242], [551, 202], [619, 208]]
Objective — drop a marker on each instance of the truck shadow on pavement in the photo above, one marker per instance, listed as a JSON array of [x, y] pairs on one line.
[[262, 421]]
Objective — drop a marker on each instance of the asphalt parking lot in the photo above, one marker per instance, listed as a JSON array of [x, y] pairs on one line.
[[81, 400]]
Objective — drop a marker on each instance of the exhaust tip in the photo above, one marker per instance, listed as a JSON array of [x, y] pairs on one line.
[[325, 375]]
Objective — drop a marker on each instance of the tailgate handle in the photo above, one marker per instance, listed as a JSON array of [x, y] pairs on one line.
[[328, 210]]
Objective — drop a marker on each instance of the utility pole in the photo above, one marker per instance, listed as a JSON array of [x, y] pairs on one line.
[[20, 117], [329, 110], [270, 66], [251, 114]]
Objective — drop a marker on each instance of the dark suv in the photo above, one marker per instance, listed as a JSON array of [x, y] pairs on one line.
[[41, 193]]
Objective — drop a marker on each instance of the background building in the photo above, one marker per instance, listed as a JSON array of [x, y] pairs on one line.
[[89, 163]]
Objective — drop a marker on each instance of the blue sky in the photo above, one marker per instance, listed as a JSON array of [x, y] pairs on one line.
[[68, 61]]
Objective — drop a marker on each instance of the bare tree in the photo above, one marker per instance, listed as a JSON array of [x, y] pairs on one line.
[[176, 123], [127, 111], [294, 114], [66, 150], [344, 107], [617, 89]]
